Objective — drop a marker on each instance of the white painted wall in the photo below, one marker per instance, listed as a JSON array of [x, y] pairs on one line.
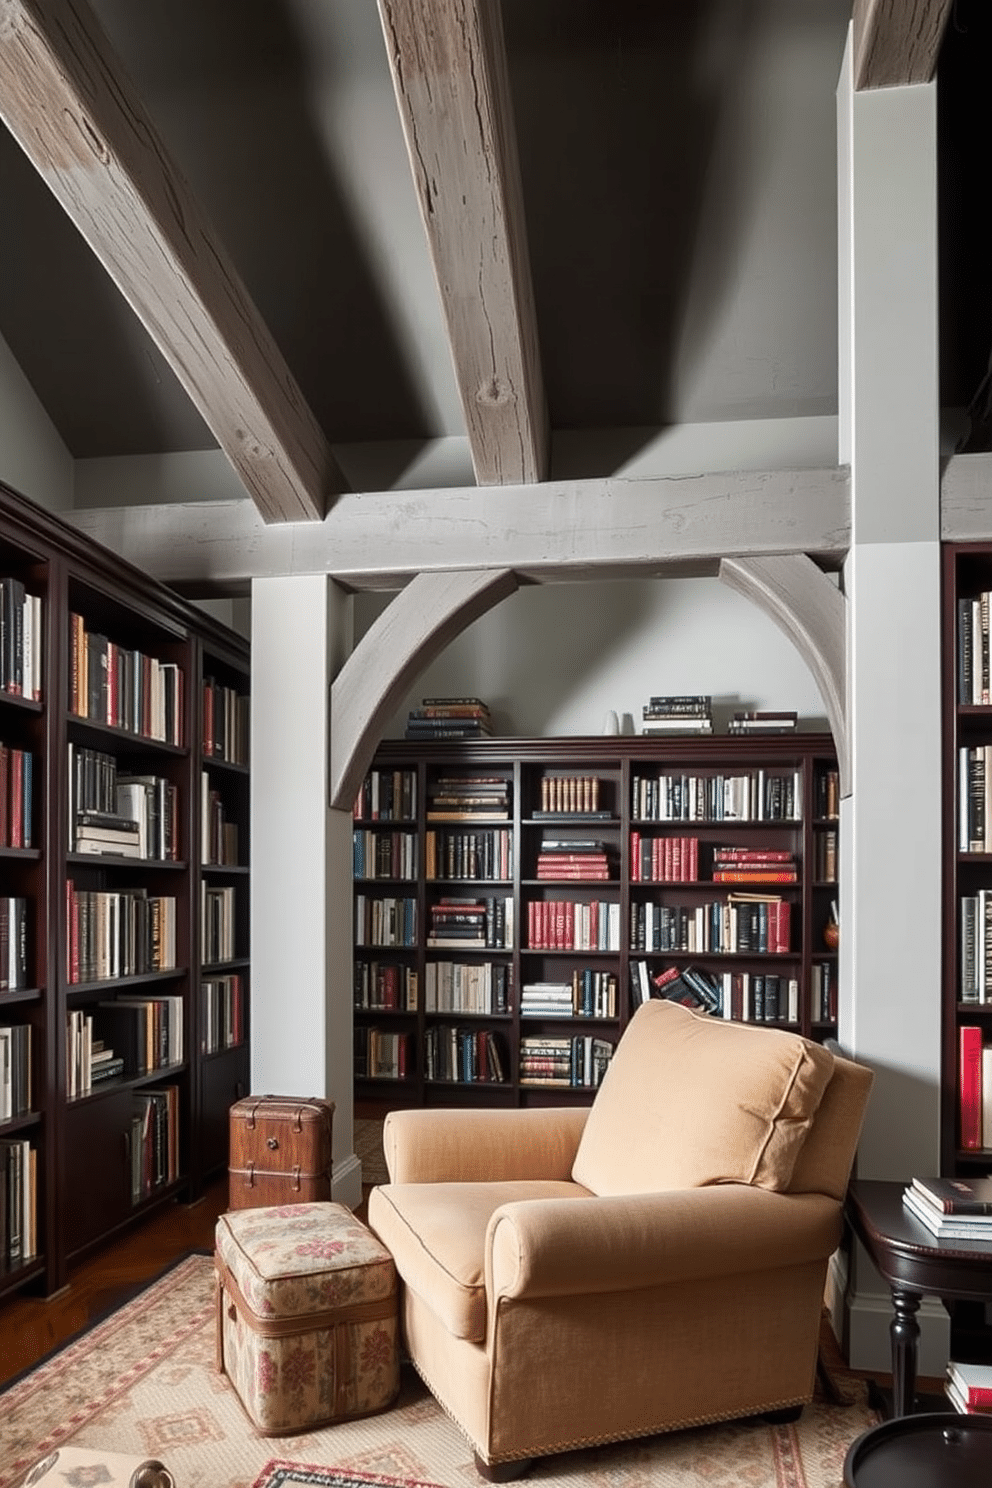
[[552, 660], [33, 459]]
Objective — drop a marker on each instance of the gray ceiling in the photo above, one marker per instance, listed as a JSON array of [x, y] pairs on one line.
[[678, 167]]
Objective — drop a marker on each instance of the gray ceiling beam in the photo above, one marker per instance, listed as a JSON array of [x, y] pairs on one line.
[[966, 499], [448, 64], [897, 42], [557, 531], [65, 99]]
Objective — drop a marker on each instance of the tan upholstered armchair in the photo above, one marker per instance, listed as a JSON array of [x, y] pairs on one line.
[[575, 1276]]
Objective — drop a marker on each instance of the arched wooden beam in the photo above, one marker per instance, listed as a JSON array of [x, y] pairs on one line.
[[414, 629], [811, 610]]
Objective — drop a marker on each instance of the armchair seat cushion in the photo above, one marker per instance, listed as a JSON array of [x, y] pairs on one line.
[[690, 1100], [437, 1234]]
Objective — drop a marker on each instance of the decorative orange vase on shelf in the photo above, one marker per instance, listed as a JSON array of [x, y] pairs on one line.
[[831, 935]]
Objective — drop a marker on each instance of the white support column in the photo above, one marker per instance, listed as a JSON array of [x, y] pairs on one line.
[[891, 823], [301, 858]]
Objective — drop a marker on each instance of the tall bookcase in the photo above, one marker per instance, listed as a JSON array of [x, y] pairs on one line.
[[113, 690], [498, 960], [967, 737]]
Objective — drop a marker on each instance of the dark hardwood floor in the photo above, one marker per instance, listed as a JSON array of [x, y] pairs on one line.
[[31, 1326]]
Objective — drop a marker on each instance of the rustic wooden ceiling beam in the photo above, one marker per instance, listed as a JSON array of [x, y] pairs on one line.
[[65, 99], [557, 532], [897, 42], [449, 70]]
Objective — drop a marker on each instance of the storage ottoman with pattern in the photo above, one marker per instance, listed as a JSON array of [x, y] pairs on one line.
[[306, 1315]]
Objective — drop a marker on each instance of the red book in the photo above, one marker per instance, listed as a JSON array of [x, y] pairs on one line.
[[970, 1085], [16, 823], [4, 796]]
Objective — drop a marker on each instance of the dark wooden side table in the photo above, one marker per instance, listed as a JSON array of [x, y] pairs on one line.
[[916, 1265]]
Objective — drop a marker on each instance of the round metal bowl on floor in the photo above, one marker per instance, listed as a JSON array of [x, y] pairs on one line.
[[925, 1451]]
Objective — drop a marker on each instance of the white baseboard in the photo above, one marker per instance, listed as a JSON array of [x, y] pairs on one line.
[[346, 1182]]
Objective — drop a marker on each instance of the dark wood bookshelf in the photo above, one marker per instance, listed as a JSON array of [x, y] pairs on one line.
[[84, 1188], [616, 763]]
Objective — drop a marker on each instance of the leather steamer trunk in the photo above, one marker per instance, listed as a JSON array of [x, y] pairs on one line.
[[280, 1150], [307, 1316]]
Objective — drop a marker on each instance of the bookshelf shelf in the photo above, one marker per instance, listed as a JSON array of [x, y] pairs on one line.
[[621, 775], [111, 667]]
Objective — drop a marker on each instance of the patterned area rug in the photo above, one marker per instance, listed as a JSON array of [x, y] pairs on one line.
[[144, 1381]]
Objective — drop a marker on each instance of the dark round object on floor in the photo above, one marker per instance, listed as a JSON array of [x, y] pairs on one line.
[[925, 1451]]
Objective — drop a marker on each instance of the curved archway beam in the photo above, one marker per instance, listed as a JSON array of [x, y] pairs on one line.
[[415, 628], [809, 608]]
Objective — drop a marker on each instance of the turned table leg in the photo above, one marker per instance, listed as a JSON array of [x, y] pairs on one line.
[[905, 1333]]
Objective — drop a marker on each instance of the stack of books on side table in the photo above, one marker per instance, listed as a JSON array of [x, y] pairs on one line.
[[969, 1388], [678, 713], [952, 1208]]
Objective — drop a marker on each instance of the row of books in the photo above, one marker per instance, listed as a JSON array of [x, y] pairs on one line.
[[154, 1141], [570, 795], [16, 796], [573, 925], [678, 713], [116, 934], [467, 987], [21, 640], [588, 994], [579, 1061], [975, 971], [385, 985], [463, 923], [15, 1070], [751, 796], [225, 720], [122, 815], [219, 843], [388, 921], [468, 798], [129, 1036], [382, 1054], [18, 1202], [449, 718], [13, 943], [124, 687], [974, 1088], [469, 1055], [486, 854], [741, 924], [975, 798], [973, 650], [564, 858], [218, 931], [384, 854], [741, 996], [223, 1004], [387, 795]]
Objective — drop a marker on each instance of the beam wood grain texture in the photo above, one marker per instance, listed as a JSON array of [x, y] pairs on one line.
[[555, 532], [65, 99], [897, 42], [449, 73]]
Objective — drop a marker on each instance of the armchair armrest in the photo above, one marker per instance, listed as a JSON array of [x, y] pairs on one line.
[[484, 1146], [557, 1247]]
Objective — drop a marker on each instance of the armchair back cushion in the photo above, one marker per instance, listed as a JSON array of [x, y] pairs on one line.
[[690, 1100]]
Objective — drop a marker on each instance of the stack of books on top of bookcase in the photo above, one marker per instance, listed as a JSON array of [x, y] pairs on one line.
[[449, 718], [969, 1388], [678, 713], [952, 1208], [761, 721]]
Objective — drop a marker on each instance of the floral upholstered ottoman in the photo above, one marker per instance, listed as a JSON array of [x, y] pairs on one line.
[[306, 1315]]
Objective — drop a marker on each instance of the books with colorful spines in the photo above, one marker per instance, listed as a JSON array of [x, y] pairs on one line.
[[755, 873], [969, 1386], [956, 1195], [752, 855], [970, 1227]]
